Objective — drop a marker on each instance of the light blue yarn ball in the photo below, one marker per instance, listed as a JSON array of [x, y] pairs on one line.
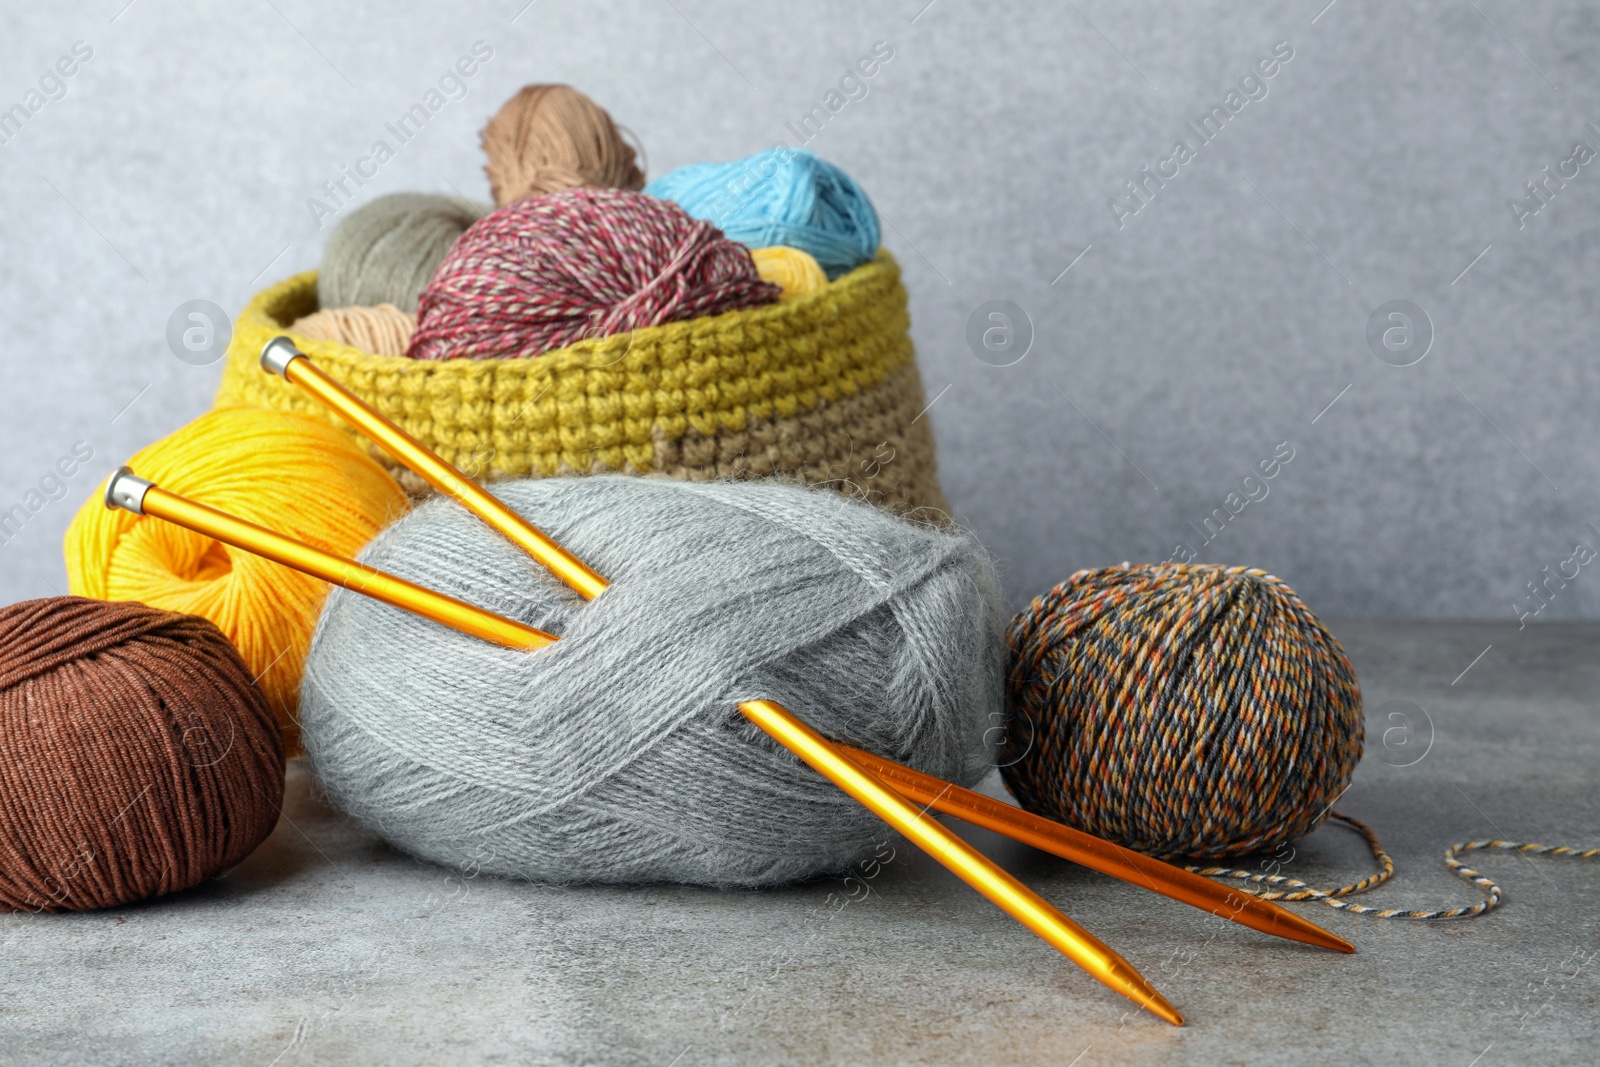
[[780, 197], [618, 754]]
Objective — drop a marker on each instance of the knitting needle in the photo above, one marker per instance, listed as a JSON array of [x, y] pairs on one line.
[[1095, 853], [280, 356], [132, 493], [972, 866], [129, 492]]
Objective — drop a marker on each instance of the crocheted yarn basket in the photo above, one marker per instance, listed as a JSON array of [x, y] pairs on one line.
[[822, 388]]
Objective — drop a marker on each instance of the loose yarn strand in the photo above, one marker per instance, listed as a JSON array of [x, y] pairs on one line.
[[1296, 890]]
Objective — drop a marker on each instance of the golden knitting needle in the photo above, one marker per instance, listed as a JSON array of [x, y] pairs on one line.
[[1095, 853], [972, 866], [128, 491], [280, 356]]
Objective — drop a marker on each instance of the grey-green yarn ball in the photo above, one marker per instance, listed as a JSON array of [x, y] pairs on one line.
[[386, 251], [618, 754]]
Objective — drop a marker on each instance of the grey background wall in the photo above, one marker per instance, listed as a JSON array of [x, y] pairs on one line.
[[1164, 351]]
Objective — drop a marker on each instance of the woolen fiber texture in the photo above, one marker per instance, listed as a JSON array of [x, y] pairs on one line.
[[618, 754], [780, 197], [386, 250], [1179, 709], [137, 757], [823, 388], [552, 270]]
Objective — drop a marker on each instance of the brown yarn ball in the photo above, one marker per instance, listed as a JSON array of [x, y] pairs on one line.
[[137, 756], [552, 137]]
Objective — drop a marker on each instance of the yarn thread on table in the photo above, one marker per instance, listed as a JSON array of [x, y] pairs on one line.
[[780, 197], [137, 757], [1293, 889], [795, 272], [551, 270], [386, 250], [289, 473], [552, 137], [384, 330], [618, 754], [1179, 709]]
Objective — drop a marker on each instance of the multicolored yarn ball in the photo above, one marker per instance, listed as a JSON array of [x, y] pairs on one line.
[[385, 251], [581, 263], [137, 757], [780, 197], [552, 137], [289, 473], [384, 330], [1180, 710], [795, 272]]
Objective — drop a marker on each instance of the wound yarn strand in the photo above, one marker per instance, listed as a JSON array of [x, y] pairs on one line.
[[385, 251], [137, 756], [552, 137], [552, 270], [1180, 710], [617, 755]]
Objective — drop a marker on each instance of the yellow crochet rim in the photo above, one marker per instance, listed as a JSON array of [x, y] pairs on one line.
[[603, 404]]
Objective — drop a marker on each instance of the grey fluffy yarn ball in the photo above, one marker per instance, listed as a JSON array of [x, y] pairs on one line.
[[618, 754], [385, 252]]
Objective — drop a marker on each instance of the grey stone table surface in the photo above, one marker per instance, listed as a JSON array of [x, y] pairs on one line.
[[328, 946]]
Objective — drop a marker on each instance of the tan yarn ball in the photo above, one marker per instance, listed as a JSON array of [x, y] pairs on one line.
[[384, 330], [552, 137]]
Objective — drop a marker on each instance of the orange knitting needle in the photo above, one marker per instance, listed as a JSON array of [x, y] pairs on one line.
[[1096, 853], [970, 865], [280, 356], [130, 492]]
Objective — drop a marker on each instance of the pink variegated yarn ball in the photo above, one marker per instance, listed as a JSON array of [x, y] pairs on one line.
[[548, 271]]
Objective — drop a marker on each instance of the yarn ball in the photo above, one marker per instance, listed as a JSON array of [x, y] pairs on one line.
[[554, 269], [1180, 710], [385, 251], [780, 197], [792, 270], [136, 755], [552, 137], [618, 754], [384, 330], [289, 473]]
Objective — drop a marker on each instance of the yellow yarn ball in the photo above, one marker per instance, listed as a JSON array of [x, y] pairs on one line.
[[383, 330], [796, 271], [288, 473]]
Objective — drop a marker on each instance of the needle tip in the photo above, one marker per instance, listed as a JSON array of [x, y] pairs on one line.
[[1159, 1006], [1130, 983], [1286, 923]]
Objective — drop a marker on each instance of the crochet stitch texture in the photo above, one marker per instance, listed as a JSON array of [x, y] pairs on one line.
[[821, 389]]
